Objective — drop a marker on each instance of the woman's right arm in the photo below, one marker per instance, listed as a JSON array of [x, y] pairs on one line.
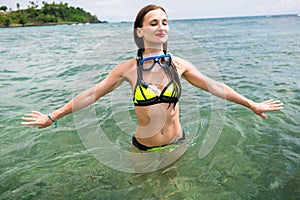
[[84, 99]]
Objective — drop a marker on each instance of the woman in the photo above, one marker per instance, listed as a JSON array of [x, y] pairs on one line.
[[154, 79]]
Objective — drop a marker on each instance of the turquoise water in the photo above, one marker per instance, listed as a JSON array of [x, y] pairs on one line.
[[41, 68]]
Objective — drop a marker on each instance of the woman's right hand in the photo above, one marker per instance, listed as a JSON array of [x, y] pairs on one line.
[[36, 119]]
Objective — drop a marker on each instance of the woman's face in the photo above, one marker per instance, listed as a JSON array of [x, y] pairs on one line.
[[155, 29]]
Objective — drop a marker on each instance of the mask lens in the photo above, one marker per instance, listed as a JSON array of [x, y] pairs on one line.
[[148, 64], [165, 61]]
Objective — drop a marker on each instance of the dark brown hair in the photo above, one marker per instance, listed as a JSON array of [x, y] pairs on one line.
[[171, 72], [138, 23]]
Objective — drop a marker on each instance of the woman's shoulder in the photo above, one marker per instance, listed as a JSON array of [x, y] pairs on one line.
[[180, 61], [127, 64], [126, 69], [181, 64]]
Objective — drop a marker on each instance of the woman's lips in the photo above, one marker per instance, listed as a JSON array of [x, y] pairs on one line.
[[161, 35]]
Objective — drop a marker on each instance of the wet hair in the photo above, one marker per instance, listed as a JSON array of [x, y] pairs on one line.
[[138, 23]]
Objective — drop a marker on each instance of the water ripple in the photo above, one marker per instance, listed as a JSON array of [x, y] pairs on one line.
[[254, 158]]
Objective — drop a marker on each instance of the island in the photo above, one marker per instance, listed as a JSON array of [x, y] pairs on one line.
[[48, 14]]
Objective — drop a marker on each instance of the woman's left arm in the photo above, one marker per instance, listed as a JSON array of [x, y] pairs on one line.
[[193, 76]]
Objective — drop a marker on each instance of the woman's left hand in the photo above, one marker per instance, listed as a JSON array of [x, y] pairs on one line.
[[267, 106]]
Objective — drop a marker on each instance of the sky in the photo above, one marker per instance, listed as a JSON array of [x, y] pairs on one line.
[[122, 10]]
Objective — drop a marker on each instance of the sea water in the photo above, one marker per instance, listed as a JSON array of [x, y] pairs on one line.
[[42, 68]]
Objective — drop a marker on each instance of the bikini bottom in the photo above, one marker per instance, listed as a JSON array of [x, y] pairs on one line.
[[146, 148]]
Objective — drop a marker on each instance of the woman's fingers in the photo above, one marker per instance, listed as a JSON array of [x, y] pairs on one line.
[[263, 115], [32, 123], [34, 114], [29, 119], [268, 101], [268, 106], [33, 119], [31, 115], [273, 105], [37, 113]]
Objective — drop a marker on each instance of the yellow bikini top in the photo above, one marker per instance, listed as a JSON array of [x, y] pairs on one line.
[[146, 94]]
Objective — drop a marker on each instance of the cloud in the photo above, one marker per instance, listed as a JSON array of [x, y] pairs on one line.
[[288, 5]]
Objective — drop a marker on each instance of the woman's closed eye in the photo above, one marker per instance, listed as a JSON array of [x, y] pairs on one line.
[[155, 23]]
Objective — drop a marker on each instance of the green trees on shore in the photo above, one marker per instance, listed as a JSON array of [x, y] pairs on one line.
[[49, 13]]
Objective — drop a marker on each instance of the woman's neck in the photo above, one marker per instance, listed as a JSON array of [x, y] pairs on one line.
[[153, 51]]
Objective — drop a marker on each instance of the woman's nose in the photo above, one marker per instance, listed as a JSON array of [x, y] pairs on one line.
[[161, 26]]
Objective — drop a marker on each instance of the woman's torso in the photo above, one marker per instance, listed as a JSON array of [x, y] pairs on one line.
[[158, 124]]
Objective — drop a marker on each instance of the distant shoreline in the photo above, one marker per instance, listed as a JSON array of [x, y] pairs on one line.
[[50, 24], [50, 14], [106, 22]]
